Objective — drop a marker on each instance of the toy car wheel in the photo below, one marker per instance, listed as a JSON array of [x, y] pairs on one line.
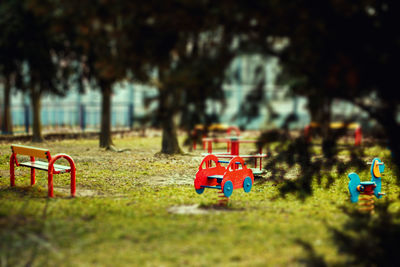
[[200, 191], [247, 184], [228, 188]]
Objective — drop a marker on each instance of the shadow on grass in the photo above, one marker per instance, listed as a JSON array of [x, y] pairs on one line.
[[311, 258], [22, 237], [37, 192], [295, 164], [23, 191], [364, 239]]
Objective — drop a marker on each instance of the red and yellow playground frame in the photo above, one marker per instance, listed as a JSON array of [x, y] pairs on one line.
[[233, 151], [335, 125]]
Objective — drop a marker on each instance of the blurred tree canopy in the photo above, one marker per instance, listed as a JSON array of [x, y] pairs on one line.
[[184, 42], [30, 55], [90, 33], [330, 49], [345, 50], [340, 49], [177, 46]]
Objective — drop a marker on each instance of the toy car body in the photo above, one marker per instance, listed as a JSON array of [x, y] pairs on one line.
[[213, 175]]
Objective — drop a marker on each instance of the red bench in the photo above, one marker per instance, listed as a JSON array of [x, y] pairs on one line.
[[49, 166]]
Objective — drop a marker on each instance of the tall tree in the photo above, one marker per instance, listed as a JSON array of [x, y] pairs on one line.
[[6, 125], [347, 51], [118, 39], [30, 54], [10, 56], [42, 58], [189, 47], [91, 32], [330, 49]]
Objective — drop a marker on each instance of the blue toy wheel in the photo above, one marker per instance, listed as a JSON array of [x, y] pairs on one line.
[[200, 191], [228, 188], [247, 184]]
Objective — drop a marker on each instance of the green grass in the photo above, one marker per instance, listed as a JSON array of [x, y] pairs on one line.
[[121, 215]]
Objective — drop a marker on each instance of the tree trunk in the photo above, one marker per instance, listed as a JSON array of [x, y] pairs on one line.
[[7, 121], [105, 132], [37, 125], [393, 133], [329, 142], [325, 119], [170, 143], [320, 109], [387, 118]]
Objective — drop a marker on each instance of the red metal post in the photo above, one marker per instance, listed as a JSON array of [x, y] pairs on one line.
[[50, 183], [194, 137], [51, 169], [73, 180], [12, 169], [307, 133], [209, 146], [358, 136], [234, 146], [204, 142], [32, 172]]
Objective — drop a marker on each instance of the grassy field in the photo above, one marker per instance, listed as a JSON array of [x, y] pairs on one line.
[[139, 208]]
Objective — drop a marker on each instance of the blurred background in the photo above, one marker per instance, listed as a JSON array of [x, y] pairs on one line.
[[112, 65], [81, 111]]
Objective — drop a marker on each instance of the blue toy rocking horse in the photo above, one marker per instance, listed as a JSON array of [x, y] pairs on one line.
[[368, 188]]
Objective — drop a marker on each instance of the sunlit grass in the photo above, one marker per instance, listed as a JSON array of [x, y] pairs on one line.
[[121, 215]]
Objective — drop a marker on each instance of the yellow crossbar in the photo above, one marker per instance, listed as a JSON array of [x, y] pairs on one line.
[[30, 151], [337, 125], [213, 127]]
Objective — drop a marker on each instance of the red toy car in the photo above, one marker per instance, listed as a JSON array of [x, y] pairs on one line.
[[212, 175]]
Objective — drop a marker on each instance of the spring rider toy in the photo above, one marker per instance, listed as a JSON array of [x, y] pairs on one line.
[[213, 175], [368, 188]]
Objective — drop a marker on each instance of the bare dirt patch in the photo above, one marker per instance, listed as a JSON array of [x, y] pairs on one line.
[[171, 180], [79, 192], [197, 209], [191, 209]]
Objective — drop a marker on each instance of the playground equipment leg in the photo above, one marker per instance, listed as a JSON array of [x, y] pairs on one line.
[[357, 136], [307, 134], [32, 172], [209, 147], [222, 199], [234, 147], [12, 169]]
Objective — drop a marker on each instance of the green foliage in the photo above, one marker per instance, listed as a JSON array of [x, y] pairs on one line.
[[29, 50], [344, 50], [370, 240], [367, 239]]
